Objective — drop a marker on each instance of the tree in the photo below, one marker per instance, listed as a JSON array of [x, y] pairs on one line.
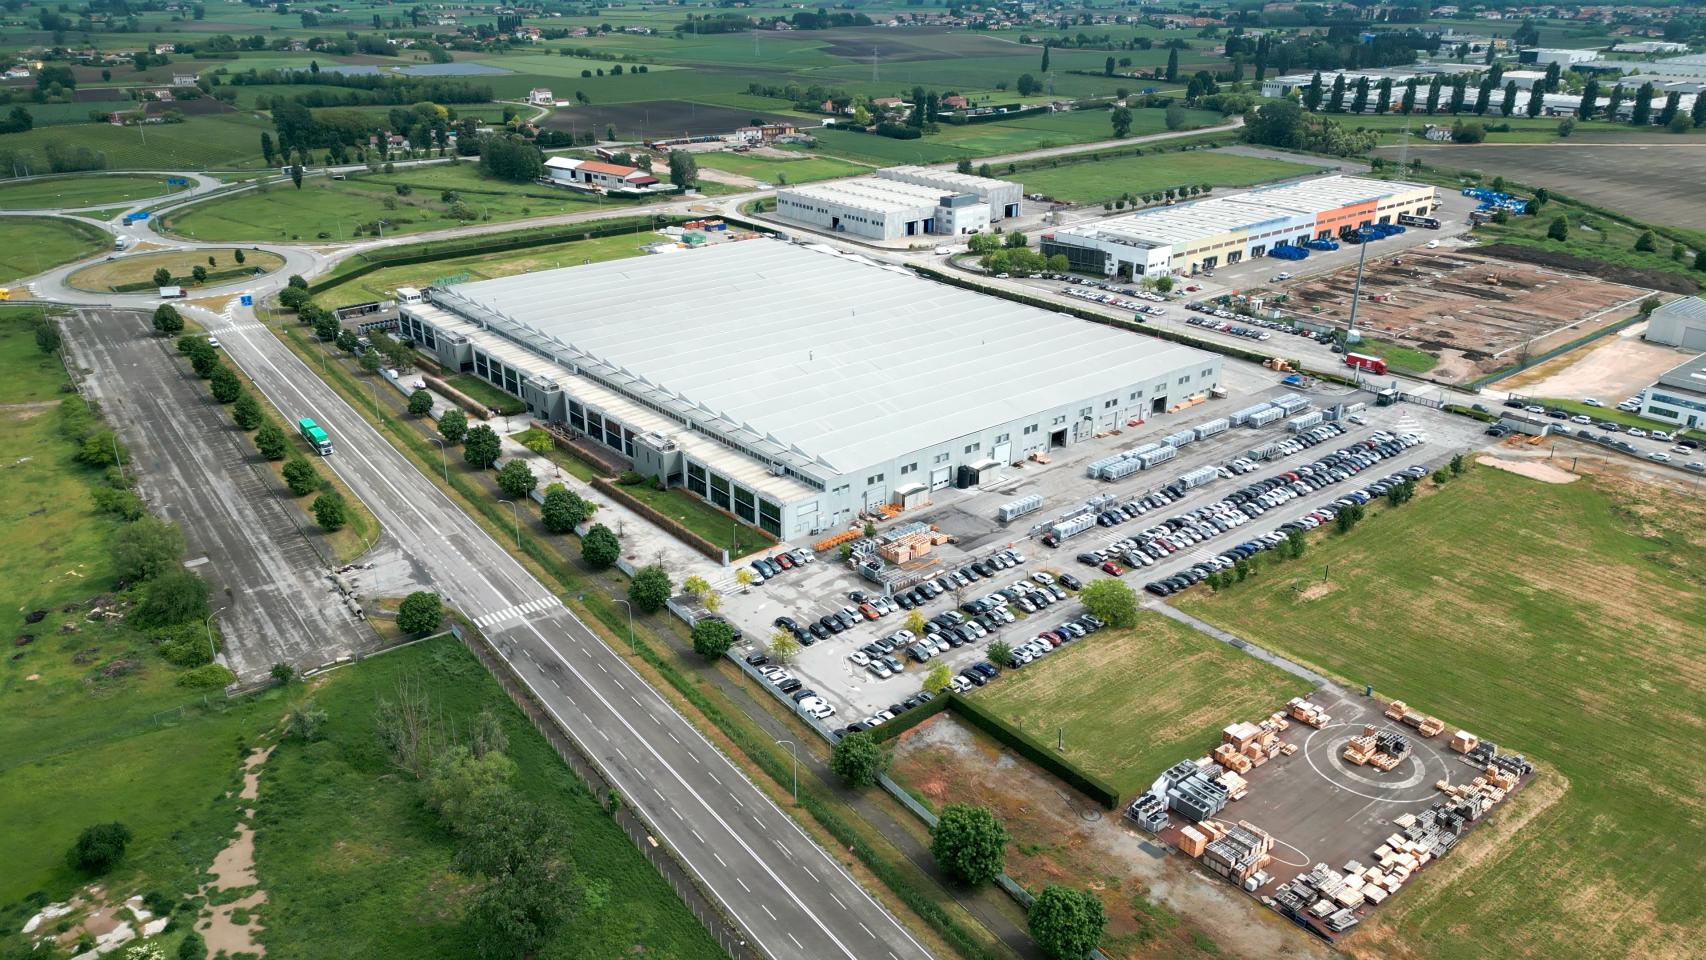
[[238, 256], [300, 477], [1294, 543], [1066, 923], [420, 612], [1507, 106], [938, 679], [175, 596], [1566, 127], [224, 385], [1673, 102], [1536, 101], [1559, 230], [192, 947], [1110, 600], [1173, 65], [480, 448], [600, 548], [266, 147], [1554, 73], [1163, 283], [1001, 652], [98, 848], [1108, 67], [162, 277], [420, 403], [516, 479], [784, 647], [330, 512], [963, 166], [296, 174], [1645, 243], [1043, 68], [712, 636], [1359, 97], [915, 622], [48, 339], [1347, 517], [145, 548], [683, 169], [1590, 100], [1483, 96], [1174, 116], [858, 759], [531, 888], [969, 844], [1642, 113], [198, 273], [271, 442], [650, 589], [1700, 257], [166, 319], [1121, 119], [246, 413], [563, 509], [453, 425]]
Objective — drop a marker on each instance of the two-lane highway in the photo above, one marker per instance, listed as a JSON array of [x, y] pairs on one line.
[[791, 898]]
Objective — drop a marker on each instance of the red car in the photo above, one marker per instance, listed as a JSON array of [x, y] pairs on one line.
[[1113, 568]]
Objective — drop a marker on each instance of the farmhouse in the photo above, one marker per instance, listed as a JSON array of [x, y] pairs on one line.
[[602, 176], [541, 96], [778, 408], [1191, 237]]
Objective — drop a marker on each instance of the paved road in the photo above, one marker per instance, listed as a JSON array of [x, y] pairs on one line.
[[270, 584], [791, 897]]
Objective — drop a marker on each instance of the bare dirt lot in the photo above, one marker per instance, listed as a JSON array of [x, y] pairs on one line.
[[1461, 305], [1665, 191], [1608, 369], [656, 118]]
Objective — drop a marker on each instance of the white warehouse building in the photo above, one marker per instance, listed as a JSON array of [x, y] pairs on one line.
[[795, 387], [901, 202]]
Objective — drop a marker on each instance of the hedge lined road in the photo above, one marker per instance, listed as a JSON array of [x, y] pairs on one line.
[[793, 900]]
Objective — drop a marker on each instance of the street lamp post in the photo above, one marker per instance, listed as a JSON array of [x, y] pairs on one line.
[[793, 750], [212, 651], [441, 458], [630, 608], [516, 513]]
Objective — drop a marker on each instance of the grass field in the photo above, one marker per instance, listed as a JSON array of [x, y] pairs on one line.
[[1126, 724], [333, 209], [353, 865], [79, 191], [1405, 359], [1590, 235], [487, 394], [139, 268], [34, 244], [220, 140], [702, 518], [383, 283], [1567, 622], [1099, 181], [777, 171], [996, 138]]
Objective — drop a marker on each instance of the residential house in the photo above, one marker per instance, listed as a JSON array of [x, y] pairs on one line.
[[600, 176], [541, 96]]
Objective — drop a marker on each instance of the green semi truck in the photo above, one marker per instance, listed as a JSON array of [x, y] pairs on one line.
[[316, 437]]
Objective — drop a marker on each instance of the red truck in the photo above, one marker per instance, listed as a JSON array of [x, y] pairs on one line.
[[1364, 362]]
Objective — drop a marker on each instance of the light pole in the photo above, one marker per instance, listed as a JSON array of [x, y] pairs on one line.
[[630, 608], [1356, 291], [516, 513], [796, 755], [212, 651], [441, 459]]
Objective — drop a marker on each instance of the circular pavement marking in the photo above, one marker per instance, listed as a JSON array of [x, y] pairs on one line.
[[1338, 773]]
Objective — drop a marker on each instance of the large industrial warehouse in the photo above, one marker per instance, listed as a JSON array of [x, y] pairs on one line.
[[1191, 237], [793, 386], [902, 202]]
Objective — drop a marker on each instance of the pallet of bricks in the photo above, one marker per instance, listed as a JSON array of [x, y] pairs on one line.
[[1383, 751]]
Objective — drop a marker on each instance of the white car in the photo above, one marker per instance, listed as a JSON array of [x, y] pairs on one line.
[[860, 658], [213, 342], [1591, 402], [1432, 244]]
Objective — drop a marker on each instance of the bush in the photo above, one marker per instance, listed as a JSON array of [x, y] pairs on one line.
[[420, 403], [300, 477], [184, 645], [650, 589], [630, 478], [421, 612], [330, 512], [175, 596], [98, 848], [146, 548], [600, 548], [211, 677], [192, 947], [123, 504]]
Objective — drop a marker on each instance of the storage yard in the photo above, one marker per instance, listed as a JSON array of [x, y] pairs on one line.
[[1330, 805], [1476, 312]]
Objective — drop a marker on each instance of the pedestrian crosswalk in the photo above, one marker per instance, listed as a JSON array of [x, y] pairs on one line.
[[496, 617], [243, 326]]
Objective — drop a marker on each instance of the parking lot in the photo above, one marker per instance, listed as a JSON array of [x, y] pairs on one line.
[[1658, 446], [810, 592]]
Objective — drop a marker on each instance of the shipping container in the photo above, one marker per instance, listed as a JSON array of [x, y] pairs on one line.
[[1300, 424], [1212, 427], [1019, 507]]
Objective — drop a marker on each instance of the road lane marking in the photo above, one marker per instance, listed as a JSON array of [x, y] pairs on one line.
[[838, 901], [743, 885]]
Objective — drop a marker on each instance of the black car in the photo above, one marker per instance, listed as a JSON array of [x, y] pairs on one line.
[[905, 600], [790, 685], [974, 677], [989, 670], [787, 622], [757, 659], [799, 695], [819, 630]]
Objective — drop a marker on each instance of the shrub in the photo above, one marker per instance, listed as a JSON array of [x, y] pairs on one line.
[[98, 848], [600, 548], [420, 612], [184, 645], [211, 677], [330, 512], [173, 597], [420, 403]]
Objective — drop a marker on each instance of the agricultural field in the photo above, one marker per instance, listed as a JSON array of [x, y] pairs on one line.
[[1126, 725], [383, 283], [1567, 622], [126, 273], [353, 864], [34, 244], [780, 170], [80, 191], [1099, 181], [996, 138], [411, 200], [221, 141], [644, 119]]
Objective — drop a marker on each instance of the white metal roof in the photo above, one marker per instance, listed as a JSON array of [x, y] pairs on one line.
[[848, 364], [951, 180], [871, 195]]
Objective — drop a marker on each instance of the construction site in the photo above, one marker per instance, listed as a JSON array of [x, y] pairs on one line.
[[1477, 314], [1327, 807]]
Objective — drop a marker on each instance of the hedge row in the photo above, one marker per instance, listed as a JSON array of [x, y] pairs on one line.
[[499, 243], [1037, 752], [914, 717]]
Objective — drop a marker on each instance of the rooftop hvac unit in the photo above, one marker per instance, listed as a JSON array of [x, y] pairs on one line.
[[1243, 416], [1300, 424], [1154, 457], [1019, 507], [1179, 439], [1266, 417], [1211, 428], [1199, 476]]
